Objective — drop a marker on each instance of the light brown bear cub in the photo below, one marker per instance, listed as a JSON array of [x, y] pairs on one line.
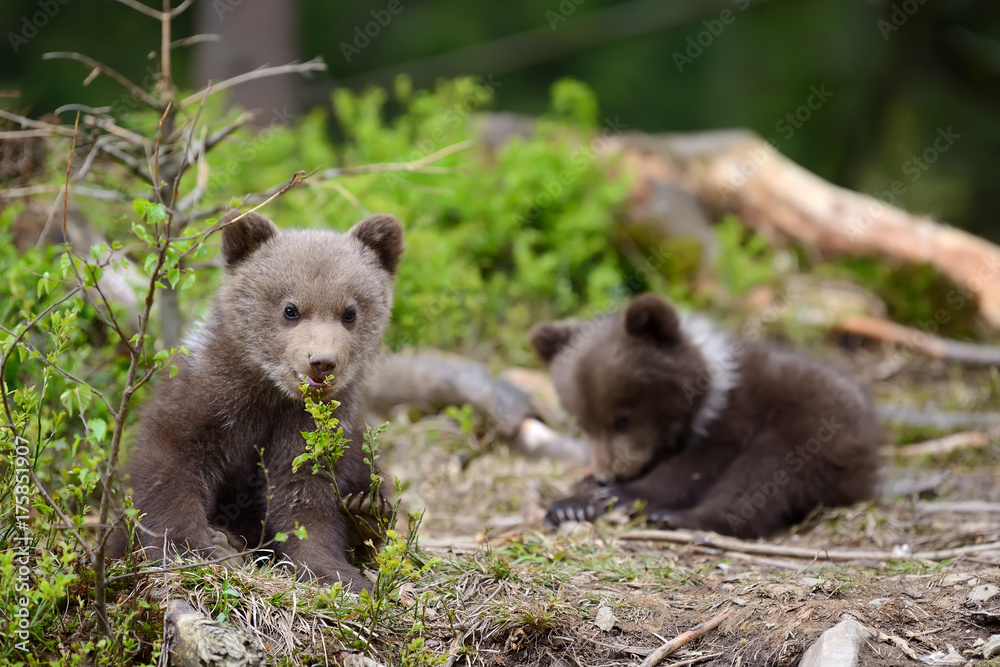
[[711, 433], [295, 306]]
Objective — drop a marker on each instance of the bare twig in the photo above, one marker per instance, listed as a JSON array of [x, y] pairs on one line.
[[69, 166], [314, 65], [24, 121], [195, 39], [915, 339], [740, 546], [947, 444], [156, 14], [24, 134], [680, 640], [415, 165], [93, 193], [135, 90]]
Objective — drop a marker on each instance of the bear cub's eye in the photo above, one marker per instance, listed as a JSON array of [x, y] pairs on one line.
[[621, 421], [350, 314], [291, 312]]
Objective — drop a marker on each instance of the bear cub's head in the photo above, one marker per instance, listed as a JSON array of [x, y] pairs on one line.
[[629, 379], [307, 306]]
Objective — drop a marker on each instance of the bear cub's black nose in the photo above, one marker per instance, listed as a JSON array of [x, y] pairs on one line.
[[322, 364]]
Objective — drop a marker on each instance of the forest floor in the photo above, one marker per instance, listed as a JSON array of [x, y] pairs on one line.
[[507, 592], [939, 612]]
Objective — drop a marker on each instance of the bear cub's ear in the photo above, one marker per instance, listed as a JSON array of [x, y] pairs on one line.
[[383, 234], [548, 338], [241, 238], [653, 318]]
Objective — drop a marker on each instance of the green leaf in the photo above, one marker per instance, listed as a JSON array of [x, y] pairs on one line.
[[98, 429], [280, 537]]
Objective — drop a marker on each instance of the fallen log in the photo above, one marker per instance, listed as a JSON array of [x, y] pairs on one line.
[[724, 543], [740, 172], [432, 380]]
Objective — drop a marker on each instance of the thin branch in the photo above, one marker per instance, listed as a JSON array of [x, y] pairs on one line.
[[415, 165], [139, 7], [69, 166], [945, 445], [224, 132], [135, 90], [93, 193], [36, 124], [739, 546], [314, 65], [156, 14], [195, 39], [24, 134], [697, 631], [111, 127]]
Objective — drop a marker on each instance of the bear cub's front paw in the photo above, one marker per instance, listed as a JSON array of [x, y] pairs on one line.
[[570, 509]]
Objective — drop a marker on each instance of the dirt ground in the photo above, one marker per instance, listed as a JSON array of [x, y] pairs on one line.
[[556, 584]]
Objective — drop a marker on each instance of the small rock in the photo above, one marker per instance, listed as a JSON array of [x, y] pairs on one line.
[[357, 660], [837, 647], [813, 582], [878, 603], [941, 659], [605, 618], [739, 602], [992, 647], [954, 579], [983, 593]]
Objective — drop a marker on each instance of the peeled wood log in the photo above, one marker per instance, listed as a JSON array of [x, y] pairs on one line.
[[743, 173], [198, 641]]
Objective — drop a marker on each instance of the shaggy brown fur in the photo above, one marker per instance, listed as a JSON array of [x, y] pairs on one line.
[[295, 306], [710, 433]]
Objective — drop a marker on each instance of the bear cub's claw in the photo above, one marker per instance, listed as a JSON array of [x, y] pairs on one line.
[[569, 509]]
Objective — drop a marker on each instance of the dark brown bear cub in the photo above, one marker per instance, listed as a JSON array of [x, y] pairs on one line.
[[295, 307], [711, 433]]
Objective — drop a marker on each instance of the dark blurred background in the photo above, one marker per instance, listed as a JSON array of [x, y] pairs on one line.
[[855, 90]]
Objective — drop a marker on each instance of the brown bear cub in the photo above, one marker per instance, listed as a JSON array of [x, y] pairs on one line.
[[711, 433], [295, 307]]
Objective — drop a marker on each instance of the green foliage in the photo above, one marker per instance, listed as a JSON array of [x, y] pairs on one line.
[[745, 260], [494, 240], [917, 295]]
